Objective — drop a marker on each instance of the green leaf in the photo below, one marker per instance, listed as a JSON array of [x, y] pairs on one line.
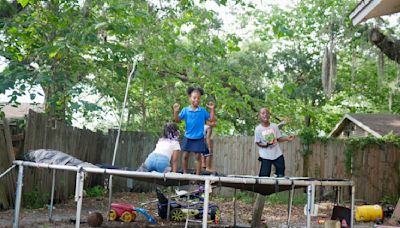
[[23, 2], [53, 52]]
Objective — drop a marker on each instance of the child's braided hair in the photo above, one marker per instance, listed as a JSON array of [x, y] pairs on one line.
[[171, 131]]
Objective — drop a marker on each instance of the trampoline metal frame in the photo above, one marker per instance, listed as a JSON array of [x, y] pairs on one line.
[[208, 180]]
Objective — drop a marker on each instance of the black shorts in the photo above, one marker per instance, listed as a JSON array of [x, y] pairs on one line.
[[193, 145]]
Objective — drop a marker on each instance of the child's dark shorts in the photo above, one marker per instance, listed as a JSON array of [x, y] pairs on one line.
[[193, 145]]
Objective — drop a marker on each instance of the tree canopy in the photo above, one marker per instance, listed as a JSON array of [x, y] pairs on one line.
[[75, 48]]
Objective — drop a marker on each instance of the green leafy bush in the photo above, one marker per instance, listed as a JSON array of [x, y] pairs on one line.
[[35, 199], [95, 191]]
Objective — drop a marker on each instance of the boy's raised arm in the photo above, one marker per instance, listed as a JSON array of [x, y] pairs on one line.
[[176, 107], [211, 106]]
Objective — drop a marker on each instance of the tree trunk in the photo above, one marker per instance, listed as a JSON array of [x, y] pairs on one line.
[[391, 48], [380, 69], [353, 65], [306, 147]]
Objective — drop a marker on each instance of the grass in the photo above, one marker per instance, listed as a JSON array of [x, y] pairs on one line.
[[96, 191], [35, 199], [274, 199], [246, 197], [283, 197]]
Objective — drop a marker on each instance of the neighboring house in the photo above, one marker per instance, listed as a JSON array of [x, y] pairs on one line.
[[362, 125], [18, 113], [15, 117], [366, 9]]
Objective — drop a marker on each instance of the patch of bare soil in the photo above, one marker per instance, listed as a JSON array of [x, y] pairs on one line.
[[64, 214]]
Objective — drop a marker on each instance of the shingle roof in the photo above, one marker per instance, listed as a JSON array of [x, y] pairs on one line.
[[376, 124]]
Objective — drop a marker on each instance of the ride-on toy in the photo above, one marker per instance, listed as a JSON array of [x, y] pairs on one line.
[[127, 213], [193, 207]]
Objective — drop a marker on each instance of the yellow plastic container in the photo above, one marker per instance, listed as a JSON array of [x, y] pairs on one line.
[[368, 213]]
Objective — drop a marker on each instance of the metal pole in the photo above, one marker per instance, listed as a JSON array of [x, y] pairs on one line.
[[353, 195], [52, 195], [291, 193], [168, 207], [8, 170], [79, 196], [18, 196], [337, 195], [234, 208], [207, 189], [119, 129], [310, 203]]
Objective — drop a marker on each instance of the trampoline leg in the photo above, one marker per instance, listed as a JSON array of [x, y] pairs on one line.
[[339, 195], [353, 195], [234, 208], [18, 196], [79, 196], [207, 188], [168, 208], [291, 193], [310, 203], [110, 186], [52, 195]]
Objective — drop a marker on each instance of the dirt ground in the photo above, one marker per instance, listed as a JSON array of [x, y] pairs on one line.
[[273, 215]]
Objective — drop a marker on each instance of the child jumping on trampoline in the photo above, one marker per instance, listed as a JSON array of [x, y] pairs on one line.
[[194, 117], [267, 136], [166, 153]]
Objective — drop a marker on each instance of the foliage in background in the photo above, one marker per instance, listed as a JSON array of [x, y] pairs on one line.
[[283, 197], [74, 51], [95, 191], [355, 144], [35, 199]]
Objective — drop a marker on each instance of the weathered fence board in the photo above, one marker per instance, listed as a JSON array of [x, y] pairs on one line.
[[7, 183]]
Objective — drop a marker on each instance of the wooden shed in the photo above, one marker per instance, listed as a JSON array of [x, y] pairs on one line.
[[363, 125]]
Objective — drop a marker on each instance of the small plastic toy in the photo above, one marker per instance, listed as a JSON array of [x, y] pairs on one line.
[[193, 207], [127, 213], [124, 212]]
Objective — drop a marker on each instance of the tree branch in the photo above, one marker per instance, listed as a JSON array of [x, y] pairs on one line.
[[391, 48], [8, 9]]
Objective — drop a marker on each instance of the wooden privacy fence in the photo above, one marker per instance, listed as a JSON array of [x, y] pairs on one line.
[[375, 169], [43, 132], [7, 183]]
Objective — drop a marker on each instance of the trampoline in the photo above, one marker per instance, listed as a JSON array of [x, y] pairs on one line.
[[262, 185]]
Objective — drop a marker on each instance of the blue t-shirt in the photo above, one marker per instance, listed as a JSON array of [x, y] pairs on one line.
[[194, 120]]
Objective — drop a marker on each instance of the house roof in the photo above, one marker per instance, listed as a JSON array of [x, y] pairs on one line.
[[366, 9], [20, 111], [377, 125]]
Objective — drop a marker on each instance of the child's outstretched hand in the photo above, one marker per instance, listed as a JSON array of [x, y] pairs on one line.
[[210, 105], [290, 138], [176, 107]]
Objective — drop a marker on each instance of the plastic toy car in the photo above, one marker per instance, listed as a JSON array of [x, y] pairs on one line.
[[193, 207], [124, 212], [127, 213]]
